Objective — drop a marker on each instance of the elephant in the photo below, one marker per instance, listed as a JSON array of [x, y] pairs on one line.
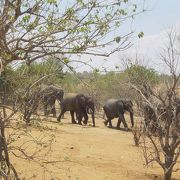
[[79, 104], [115, 108], [177, 107], [150, 118], [154, 118], [90, 109], [48, 95]]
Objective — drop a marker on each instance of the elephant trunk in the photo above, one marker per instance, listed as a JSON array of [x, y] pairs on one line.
[[93, 119], [60, 97], [91, 111]]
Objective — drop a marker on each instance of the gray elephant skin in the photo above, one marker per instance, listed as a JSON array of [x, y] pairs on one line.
[[79, 104], [153, 118], [48, 95], [150, 118], [115, 108]]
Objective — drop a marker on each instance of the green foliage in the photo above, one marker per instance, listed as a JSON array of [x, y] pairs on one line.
[[51, 71], [138, 75], [140, 35], [103, 86], [19, 79], [111, 84], [66, 60], [118, 39], [7, 79], [26, 18], [69, 83], [52, 1], [63, 27]]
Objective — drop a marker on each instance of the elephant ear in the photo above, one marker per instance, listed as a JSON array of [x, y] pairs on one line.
[[81, 100], [60, 93], [127, 105], [59, 96], [90, 103]]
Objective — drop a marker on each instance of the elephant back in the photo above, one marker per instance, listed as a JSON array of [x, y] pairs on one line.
[[50, 90], [71, 101], [149, 113]]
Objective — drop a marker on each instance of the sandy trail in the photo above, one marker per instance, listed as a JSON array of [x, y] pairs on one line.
[[86, 153]]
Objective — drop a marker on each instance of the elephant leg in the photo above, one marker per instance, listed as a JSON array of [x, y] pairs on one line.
[[123, 120], [146, 122], [148, 125], [53, 111], [45, 108], [106, 115], [154, 127], [85, 118], [105, 122], [79, 118], [61, 114], [72, 117], [119, 123], [110, 123], [51, 102]]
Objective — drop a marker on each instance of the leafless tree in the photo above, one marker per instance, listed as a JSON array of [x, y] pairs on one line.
[[163, 145], [19, 101]]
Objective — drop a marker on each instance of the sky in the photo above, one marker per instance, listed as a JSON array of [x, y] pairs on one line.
[[162, 15]]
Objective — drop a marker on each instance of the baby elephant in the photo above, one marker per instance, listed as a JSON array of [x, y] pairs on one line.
[[115, 108]]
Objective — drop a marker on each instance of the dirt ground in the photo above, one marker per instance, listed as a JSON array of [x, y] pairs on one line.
[[86, 153]]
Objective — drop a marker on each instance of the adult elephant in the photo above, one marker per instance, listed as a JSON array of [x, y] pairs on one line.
[[177, 107], [48, 95], [115, 108], [155, 117], [90, 109], [79, 104], [150, 118]]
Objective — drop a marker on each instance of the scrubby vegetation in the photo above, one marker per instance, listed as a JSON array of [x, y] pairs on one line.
[[36, 41]]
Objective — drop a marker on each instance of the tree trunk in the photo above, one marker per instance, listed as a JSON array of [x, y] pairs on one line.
[[168, 165], [1, 141], [1, 148], [167, 175]]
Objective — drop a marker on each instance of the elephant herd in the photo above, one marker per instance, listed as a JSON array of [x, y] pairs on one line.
[[82, 105]]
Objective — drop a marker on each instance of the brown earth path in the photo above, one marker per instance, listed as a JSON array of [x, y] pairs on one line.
[[87, 153]]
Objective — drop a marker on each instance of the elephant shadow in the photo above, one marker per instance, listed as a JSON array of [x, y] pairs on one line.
[[120, 129], [69, 123]]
